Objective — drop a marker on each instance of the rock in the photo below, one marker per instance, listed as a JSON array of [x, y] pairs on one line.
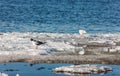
[[11, 70], [40, 68]]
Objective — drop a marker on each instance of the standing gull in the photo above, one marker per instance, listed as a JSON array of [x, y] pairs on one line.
[[81, 32], [37, 42]]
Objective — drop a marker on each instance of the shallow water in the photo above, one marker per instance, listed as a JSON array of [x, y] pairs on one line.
[[44, 69], [61, 16]]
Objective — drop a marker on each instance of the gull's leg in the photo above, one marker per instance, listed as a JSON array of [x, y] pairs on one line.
[[36, 46]]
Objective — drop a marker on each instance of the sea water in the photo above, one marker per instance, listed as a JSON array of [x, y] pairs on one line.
[[60, 16], [57, 16], [44, 69]]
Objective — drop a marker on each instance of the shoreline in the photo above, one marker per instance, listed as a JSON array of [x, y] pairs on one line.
[[71, 59], [60, 48]]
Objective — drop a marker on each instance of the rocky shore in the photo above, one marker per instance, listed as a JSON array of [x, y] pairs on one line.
[[60, 48]]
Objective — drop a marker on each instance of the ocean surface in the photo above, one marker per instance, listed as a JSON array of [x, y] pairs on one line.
[[60, 16], [25, 69]]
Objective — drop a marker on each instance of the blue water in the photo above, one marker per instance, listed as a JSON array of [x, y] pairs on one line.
[[24, 69], [60, 16]]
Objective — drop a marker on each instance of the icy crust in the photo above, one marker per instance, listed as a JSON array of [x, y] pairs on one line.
[[19, 43], [82, 69]]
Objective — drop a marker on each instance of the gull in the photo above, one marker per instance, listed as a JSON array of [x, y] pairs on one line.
[[81, 32], [37, 42]]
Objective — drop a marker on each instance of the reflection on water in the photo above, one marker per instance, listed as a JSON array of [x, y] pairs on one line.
[[69, 74]]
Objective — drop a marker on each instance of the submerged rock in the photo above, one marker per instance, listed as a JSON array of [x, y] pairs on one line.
[[40, 68], [11, 70]]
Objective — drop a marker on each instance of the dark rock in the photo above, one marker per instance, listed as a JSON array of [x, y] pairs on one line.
[[31, 65], [11, 70], [40, 68]]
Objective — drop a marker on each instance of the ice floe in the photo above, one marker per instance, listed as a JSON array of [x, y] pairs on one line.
[[82, 69], [19, 43]]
